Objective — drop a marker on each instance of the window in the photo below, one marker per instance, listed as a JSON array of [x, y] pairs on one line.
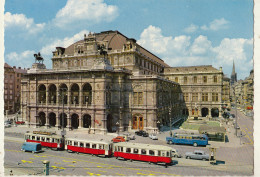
[[204, 96], [186, 96], [205, 79], [101, 146], [75, 143], [195, 79], [138, 98], [38, 138], [33, 137], [214, 96], [43, 139], [168, 154], [151, 152], [159, 153], [136, 151], [81, 145], [185, 80], [176, 79], [94, 146], [128, 150], [47, 139], [143, 151], [194, 96], [87, 145], [215, 79]]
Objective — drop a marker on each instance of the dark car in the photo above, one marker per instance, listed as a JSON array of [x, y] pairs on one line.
[[142, 133]]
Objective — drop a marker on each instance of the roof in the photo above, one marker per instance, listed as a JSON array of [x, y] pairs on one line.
[[144, 146], [88, 141], [211, 129], [116, 41], [193, 69], [7, 66]]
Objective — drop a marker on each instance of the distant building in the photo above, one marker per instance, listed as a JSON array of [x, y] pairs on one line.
[[12, 87], [201, 87], [233, 77], [226, 92]]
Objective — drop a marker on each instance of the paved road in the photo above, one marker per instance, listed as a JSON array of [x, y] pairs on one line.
[[63, 163]]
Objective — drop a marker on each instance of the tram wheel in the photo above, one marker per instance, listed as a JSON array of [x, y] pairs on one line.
[[131, 160]]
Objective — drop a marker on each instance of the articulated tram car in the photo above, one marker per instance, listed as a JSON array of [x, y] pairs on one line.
[[49, 141], [143, 152], [89, 147]]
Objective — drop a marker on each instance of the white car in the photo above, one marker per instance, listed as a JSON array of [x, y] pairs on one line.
[[153, 137], [7, 125], [130, 136]]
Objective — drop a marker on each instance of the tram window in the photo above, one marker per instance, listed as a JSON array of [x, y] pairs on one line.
[[122, 149], [151, 152], [101, 146], [159, 153], [81, 145], [143, 151], [136, 151], [87, 145], [52, 140], [43, 139], [70, 143], [33, 137], [116, 148], [47, 139], [75, 143], [38, 138], [128, 150], [94, 146], [168, 154], [58, 140]]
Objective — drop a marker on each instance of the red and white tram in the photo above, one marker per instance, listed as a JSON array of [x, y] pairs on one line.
[[46, 140], [143, 152], [101, 148]]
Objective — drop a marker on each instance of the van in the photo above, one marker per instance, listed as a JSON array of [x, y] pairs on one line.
[[175, 153], [32, 147]]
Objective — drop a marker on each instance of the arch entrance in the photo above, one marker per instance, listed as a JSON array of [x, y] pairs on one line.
[[52, 119], [109, 123], [86, 121], [65, 120], [204, 112], [214, 112], [74, 121], [42, 119], [138, 122]]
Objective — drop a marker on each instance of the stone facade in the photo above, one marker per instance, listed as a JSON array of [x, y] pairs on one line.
[[201, 88], [102, 83]]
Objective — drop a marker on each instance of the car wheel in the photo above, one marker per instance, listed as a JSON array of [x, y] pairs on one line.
[[204, 159], [175, 156], [170, 142], [188, 157], [195, 144]]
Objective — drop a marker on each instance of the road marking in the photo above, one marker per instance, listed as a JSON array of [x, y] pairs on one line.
[[93, 174], [25, 161], [120, 174], [103, 171], [55, 167], [247, 136], [31, 158], [71, 165], [69, 161], [39, 156], [56, 163], [145, 174]]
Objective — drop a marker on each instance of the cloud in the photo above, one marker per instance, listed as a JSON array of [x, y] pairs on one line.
[[24, 59], [182, 51], [192, 28], [21, 22], [216, 24], [84, 12]]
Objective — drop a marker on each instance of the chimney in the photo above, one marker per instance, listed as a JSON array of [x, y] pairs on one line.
[[14, 67], [19, 67]]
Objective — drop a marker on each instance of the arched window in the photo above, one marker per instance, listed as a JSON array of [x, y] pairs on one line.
[[215, 79], [176, 79], [185, 80], [195, 79]]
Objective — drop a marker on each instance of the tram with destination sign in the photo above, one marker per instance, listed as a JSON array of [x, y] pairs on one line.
[[47, 140], [157, 154], [99, 148]]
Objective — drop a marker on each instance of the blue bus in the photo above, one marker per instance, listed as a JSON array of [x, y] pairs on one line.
[[195, 140]]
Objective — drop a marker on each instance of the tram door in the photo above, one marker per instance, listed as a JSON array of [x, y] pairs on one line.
[[138, 122]]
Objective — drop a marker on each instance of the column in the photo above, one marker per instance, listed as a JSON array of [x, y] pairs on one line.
[[80, 121], [57, 120], [121, 126], [46, 99], [57, 97], [80, 96], [69, 99], [47, 121]]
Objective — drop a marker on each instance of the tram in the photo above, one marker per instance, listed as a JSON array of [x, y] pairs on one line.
[[47, 140], [99, 148], [143, 152]]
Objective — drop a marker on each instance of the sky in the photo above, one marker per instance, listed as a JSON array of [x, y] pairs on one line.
[[181, 32]]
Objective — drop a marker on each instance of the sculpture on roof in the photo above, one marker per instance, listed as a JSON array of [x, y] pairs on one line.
[[38, 57]]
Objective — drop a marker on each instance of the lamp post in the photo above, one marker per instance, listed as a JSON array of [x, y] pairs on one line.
[[236, 108], [170, 110], [63, 132], [117, 125], [158, 125]]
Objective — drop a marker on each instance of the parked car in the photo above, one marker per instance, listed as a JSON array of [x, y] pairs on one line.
[[237, 127], [7, 125], [175, 153], [153, 137], [8, 122], [142, 133], [130, 136], [32, 147], [19, 122], [118, 139], [197, 154]]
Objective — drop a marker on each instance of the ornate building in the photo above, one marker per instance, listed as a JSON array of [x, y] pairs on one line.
[[201, 88], [102, 83], [226, 91]]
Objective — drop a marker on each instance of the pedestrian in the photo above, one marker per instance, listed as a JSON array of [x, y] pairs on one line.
[[11, 172]]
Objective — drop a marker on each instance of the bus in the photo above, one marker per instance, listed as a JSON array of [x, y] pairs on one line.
[[157, 154], [189, 139]]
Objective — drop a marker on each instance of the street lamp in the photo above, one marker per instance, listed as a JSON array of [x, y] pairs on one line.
[[117, 124], [63, 132], [158, 125], [236, 108]]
